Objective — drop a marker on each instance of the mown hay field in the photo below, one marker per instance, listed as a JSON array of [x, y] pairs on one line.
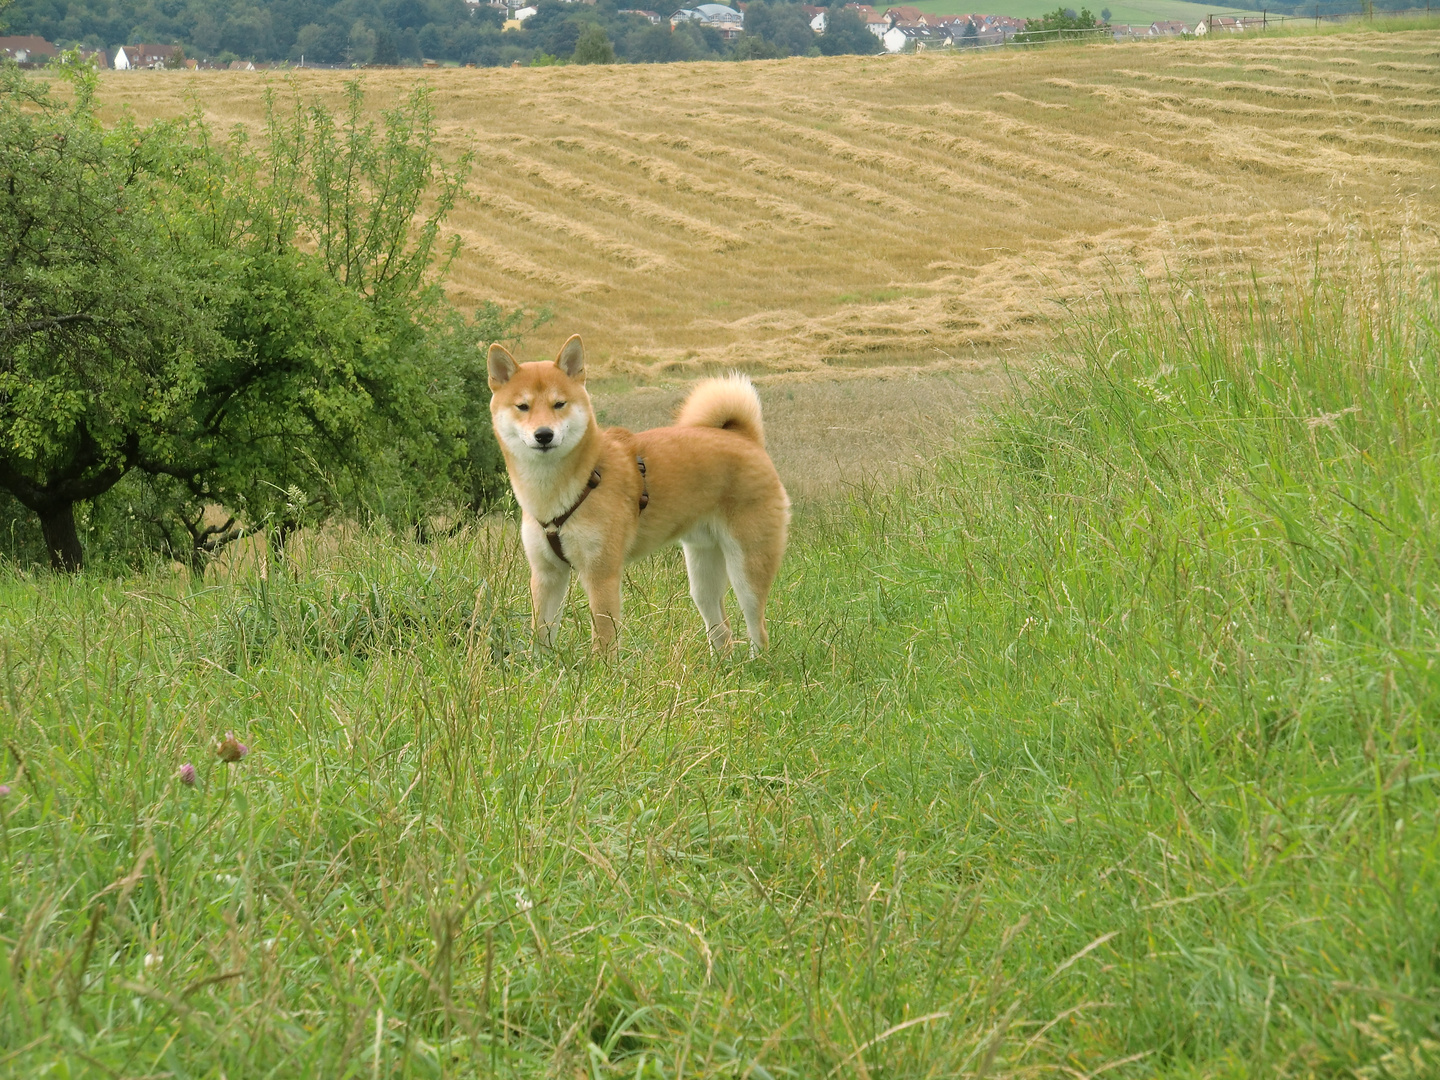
[[830, 216]]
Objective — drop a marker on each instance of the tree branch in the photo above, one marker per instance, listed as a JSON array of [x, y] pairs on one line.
[[47, 324], [77, 485]]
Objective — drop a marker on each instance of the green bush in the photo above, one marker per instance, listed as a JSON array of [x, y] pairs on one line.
[[274, 341], [593, 46]]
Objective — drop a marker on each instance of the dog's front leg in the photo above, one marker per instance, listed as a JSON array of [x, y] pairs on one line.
[[603, 589], [547, 596], [549, 581]]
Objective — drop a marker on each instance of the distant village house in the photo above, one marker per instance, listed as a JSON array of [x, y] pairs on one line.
[[726, 20], [874, 21], [27, 50], [148, 57], [902, 27]]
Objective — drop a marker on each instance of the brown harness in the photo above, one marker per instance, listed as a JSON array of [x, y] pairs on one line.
[[552, 528]]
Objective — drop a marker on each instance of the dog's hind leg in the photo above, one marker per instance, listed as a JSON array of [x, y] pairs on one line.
[[705, 563], [751, 574]]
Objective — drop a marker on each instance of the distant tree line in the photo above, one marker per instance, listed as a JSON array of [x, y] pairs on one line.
[[390, 32]]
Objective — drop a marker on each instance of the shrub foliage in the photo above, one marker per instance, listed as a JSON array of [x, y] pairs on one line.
[[253, 325]]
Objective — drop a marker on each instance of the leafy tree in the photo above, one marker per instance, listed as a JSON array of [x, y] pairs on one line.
[[654, 45], [661, 45], [1105, 15], [361, 43], [970, 36], [846, 33], [1062, 19], [593, 46], [1059, 19], [205, 35], [259, 327], [340, 31], [260, 29], [755, 47], [555, 27], [784, 26], [108, 302], [320, 44], [337, 390], [387, 49]]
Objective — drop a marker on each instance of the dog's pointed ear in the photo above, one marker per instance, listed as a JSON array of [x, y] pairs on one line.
[[502, 366], [572, 359]]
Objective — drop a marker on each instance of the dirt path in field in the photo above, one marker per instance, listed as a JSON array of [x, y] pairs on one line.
[[826, 436]]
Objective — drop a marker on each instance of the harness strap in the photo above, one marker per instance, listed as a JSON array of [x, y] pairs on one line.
[[552, 528], [554, 539]]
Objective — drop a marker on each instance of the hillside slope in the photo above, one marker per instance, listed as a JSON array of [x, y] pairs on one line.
[[1102, 747], [808, 215]]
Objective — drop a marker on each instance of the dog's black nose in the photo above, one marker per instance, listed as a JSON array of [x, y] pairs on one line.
[[544, 435]]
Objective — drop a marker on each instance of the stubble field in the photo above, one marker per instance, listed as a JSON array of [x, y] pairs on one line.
[[926, 212]]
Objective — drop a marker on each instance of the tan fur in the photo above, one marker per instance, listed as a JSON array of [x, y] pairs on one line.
[[712, 487]]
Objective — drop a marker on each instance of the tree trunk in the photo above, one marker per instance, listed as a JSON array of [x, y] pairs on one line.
[[57, 522]]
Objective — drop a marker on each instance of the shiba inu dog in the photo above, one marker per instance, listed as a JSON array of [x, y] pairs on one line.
[[593, 499]]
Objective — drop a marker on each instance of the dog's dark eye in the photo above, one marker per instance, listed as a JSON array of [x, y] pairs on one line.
[[559, 404], [523, 408]]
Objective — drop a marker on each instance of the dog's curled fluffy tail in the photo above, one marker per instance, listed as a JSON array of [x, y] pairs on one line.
[[729, 402]]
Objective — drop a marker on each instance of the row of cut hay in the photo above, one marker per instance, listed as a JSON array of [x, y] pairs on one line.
[[847, 147], [671, 230]]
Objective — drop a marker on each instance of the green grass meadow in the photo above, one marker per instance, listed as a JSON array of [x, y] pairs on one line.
[[1101, 746], [1121, 11]]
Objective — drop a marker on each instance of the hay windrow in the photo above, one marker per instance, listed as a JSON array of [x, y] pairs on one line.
[[812, 216]]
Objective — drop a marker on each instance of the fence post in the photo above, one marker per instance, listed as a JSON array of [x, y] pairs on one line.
[[1264, 18], [1317, 16]]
